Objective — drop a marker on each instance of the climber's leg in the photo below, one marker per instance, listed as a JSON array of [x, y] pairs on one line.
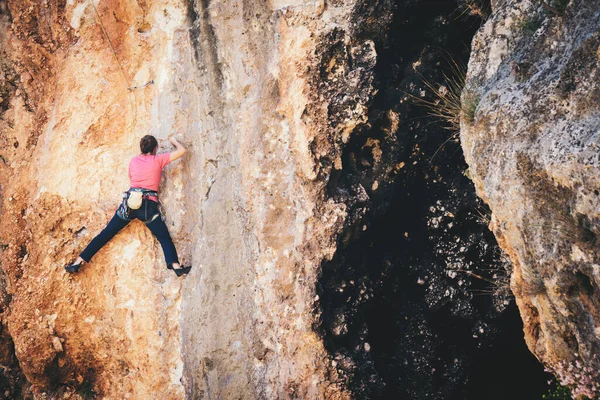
[[159, 229], [113, 227], [153, 219]]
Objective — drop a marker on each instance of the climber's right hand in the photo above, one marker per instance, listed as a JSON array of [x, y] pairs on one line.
[[179, 149], [173, 141]]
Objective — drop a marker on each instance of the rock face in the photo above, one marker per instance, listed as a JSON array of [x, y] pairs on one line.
[[288, 84], [264, 95], [530, 138], [274, 99]]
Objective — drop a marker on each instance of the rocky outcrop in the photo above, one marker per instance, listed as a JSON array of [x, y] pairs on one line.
[[264, 95], [289, 160], [292, 81], [530, 130]]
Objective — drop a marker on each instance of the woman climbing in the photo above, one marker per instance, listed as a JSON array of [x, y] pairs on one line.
[[141, 202]]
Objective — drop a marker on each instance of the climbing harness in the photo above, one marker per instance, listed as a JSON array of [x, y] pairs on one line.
[[133, 200]]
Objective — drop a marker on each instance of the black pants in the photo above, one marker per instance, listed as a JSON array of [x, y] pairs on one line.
[[147, 213]]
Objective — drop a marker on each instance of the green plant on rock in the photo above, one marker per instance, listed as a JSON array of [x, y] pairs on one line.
[[557, 392], [530, 25]]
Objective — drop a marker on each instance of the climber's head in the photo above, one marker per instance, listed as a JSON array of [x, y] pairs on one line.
[[148, 144]]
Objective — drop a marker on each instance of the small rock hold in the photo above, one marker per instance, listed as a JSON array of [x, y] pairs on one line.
[[145, 27], [57, 344]]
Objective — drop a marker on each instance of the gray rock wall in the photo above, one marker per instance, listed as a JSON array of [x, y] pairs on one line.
[[531, 142]]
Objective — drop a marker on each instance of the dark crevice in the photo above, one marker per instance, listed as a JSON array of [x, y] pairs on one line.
[[416, 302], [204, 42], [194, 27]]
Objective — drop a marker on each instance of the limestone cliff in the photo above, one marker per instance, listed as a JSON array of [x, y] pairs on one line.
[[294, 142], [531, 137], [264, 95]]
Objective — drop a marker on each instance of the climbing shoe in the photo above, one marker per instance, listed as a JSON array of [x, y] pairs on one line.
[[73, 268], [181, 270]]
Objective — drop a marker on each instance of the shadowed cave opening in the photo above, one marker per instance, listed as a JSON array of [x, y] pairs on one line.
[[415, 304]]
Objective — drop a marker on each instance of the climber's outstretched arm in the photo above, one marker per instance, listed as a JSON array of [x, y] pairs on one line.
[[179, 149]]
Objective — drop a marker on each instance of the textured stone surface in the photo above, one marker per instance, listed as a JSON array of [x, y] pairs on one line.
[[264, 95], [533, 155], [290, 84], [68, 131]]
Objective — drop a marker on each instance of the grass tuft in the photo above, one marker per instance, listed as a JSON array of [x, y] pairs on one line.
[[475, 8], [448, 101], [577, 229]]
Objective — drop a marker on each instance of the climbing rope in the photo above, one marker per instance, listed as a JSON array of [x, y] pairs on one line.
[[130, 89], [112, 48]]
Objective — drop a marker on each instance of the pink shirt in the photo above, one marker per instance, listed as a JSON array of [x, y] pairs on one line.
[[145, 170]]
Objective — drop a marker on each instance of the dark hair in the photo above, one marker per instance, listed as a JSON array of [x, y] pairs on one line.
[[148, 144]]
